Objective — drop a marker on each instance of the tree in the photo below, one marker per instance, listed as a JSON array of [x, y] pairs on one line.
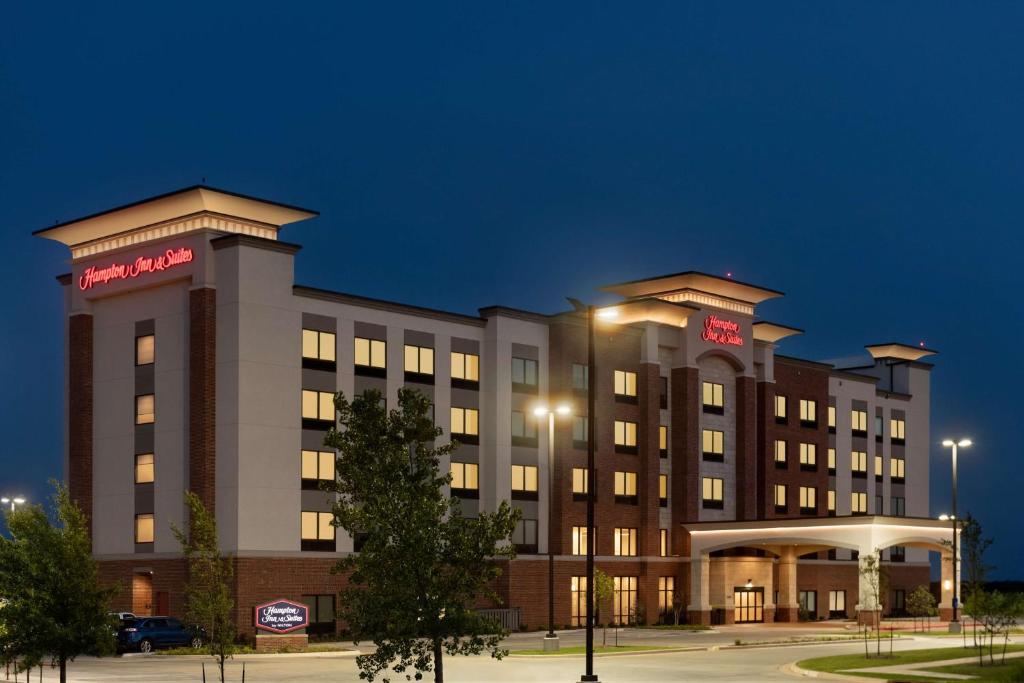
[[920, 604], [972, 548], [876, 578], [604, 590], [422, 565], [54, 606], [208, 602]]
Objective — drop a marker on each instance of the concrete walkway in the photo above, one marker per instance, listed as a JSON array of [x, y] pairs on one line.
[[920, 669]]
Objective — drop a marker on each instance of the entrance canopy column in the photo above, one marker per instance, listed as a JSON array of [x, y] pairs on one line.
[[946, 586], [869, 608], [700, 590], [788, 608]]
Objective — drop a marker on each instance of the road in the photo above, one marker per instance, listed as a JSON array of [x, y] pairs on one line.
[[730, 664]]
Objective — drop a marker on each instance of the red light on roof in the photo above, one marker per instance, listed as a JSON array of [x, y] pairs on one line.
[[729, 274], [921, 344]]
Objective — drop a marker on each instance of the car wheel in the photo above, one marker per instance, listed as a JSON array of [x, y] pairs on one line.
[[196, 643], [146, 646]]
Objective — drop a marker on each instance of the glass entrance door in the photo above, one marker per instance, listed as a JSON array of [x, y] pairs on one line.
[[748, 604]]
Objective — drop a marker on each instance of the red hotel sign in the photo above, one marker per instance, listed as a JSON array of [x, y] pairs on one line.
[[94, 275], [721, 331]]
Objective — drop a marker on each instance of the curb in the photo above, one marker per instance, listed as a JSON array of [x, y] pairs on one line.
[[342, 654], [659, 651], [793, 670]]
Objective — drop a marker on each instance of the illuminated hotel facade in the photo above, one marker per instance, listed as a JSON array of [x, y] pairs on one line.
[[733, 483]]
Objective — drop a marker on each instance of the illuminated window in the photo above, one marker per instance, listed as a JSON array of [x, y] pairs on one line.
[[316, 526], [465, 477], [832, 459], [578, 601], [625, 487], [666, 594], [465, 366], [897, 429], [808, 412], [524, 429], [808, 454], [371, 353], [317, 405], [625, 383], [625, 436], [419, 360], [145, 349], [878, 466], [897, 468], [831, 500], [580, 377], [317, 466], [524, 479], [713, 444], [144, 471], [318, 345], [859, 462], [144, 528], [625, 542], [579, 431], [832, 418], [780, 497], [524, 374], [624, 596], [713, 397], [663, 490], [713, 493], [465, 421], [780, 452], [780, 408], [145, 409], [663, 538], [859, 503], [859, 420], [579, 480], [579, 540], [663, 440], [808, 498]]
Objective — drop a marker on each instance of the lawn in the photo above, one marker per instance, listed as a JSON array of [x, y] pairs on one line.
[[841, 663], [600, 649], [1012, 670]]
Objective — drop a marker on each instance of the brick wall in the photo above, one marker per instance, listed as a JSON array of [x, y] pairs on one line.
[[685, 454], [80, 408], [202, 394]]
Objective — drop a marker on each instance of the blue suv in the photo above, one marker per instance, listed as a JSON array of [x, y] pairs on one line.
[[145, 634]]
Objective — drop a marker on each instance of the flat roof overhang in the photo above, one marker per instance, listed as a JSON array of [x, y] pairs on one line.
[[693, 280], [188, 201]]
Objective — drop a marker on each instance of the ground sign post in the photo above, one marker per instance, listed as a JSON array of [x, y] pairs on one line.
[[281, 624]]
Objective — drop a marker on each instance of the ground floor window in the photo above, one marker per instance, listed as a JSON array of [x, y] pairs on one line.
[[666, 594], [837, 604], [899, 602], [809, 603], [321, 613], [624, 599], [578, 607]]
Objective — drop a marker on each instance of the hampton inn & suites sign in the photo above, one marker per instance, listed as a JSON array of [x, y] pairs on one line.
[[101, 275], [721, 331]]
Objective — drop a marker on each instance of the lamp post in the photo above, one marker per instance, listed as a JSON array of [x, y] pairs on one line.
[[954, 624], [551, 639], [591, 313], [16, 500]]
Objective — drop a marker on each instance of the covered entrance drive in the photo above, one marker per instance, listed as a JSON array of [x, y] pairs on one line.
[[747, 571]]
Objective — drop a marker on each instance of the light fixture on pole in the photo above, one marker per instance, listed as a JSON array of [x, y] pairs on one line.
[[13, 501], [551, 639], [954, 624]]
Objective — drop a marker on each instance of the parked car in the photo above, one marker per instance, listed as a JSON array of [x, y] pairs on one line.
[[145, 634]]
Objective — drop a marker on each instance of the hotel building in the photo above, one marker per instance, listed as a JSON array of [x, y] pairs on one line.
[[733, 483]]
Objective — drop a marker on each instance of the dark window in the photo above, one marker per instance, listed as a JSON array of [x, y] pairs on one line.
[[524, 375], [321, 613], [664, 393]]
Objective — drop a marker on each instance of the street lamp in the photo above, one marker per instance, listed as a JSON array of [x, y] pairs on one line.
[[551, 639], [16, 500], [954, 624]]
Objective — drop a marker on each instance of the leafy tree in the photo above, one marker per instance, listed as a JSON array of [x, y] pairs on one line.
[[604, 590], [920, 604], [208, 602], [973, 546], [422, 566], [54, 606], [876, 577]]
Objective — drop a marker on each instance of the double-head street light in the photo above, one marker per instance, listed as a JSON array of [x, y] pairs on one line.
[[12, 501], [551, 639], [954, 624]]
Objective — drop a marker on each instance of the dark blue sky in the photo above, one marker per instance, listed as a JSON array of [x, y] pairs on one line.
[[865, 158]]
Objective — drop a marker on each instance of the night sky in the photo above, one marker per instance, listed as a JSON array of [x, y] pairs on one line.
[[865, 158]]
